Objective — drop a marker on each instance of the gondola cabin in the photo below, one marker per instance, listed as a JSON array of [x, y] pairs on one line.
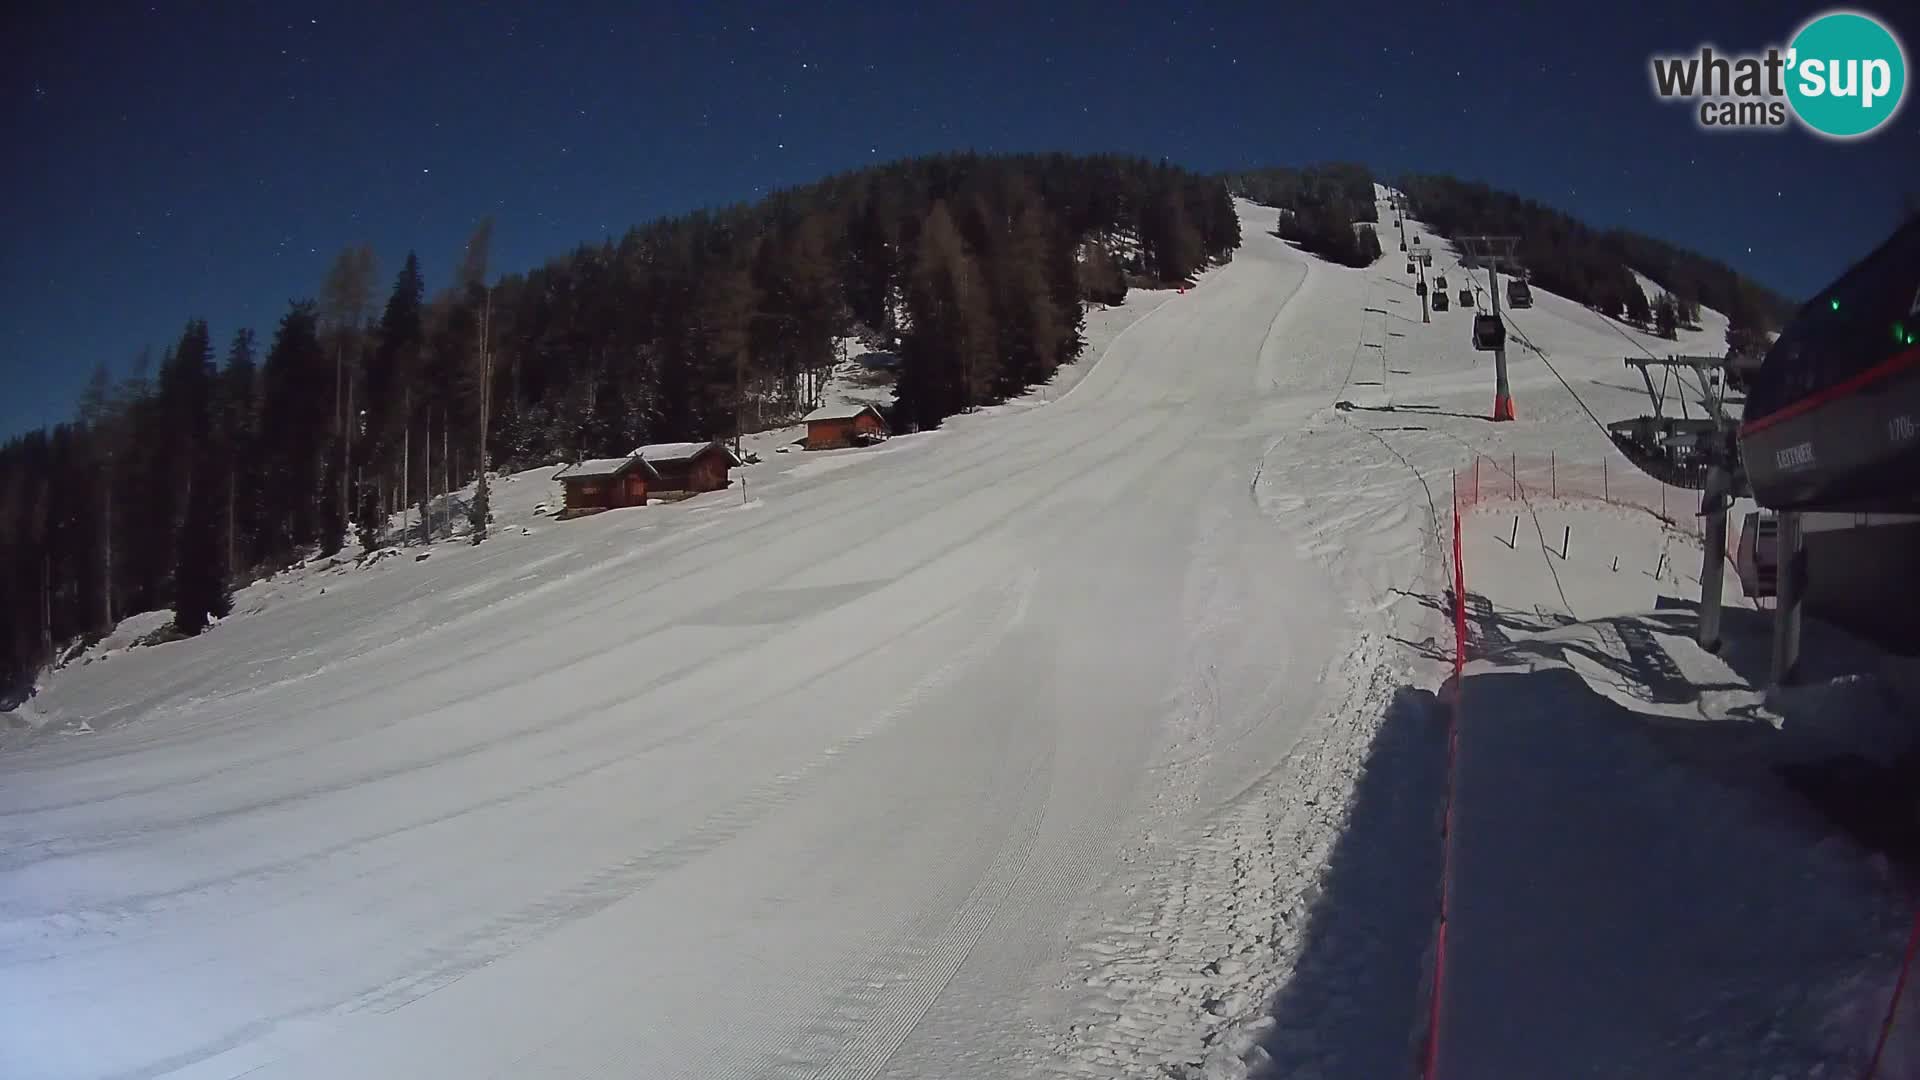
[[1489, 333]]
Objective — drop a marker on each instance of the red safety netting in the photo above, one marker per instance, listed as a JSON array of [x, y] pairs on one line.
[[1488, 478], [1893, 1006], [1431, 1058]]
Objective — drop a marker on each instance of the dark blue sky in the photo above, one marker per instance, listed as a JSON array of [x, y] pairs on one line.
[[175, 160]]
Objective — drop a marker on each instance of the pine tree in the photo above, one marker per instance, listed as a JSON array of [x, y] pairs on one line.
[[1063, 287], [1366, 245], [1666, 317], [1636, 305], [185, 408], [187, 384], [446, 392], [1103, 279], [295, 410], [805, 304], [239, 435], [102, 415], [480, 511], [391, 371], [200, 589], [140, 529], [947, 362], [331, 523], [1745, 337], [726, 316], [1171, 240], [1688, 311], [1025, 318], [874, 263], [473, 258], [345, 300]]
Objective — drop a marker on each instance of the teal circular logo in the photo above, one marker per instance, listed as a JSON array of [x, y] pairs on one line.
[[1846, 74]]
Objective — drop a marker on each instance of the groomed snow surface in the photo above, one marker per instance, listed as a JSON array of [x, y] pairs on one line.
[[1094, 734]]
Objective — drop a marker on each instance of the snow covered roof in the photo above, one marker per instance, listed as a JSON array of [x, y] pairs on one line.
[[596, 468], [679, 451], [846, 411]]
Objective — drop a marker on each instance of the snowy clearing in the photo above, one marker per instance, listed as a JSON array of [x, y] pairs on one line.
[[1094, 734]]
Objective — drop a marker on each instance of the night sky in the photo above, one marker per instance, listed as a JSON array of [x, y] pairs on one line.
[[180, 160]]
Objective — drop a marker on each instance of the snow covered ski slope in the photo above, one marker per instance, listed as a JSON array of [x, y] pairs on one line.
[[1026, 747], [813, 785]]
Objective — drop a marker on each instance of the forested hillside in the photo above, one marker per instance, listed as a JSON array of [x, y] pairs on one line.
[[177, 479], [1330, 208], [1595, 266]]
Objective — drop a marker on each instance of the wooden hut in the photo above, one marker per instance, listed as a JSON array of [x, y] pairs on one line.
[[687, 466], [604, 484], [835, 426]]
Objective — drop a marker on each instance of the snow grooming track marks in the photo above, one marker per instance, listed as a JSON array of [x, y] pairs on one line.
[[69, 917], [1217, 914], [488, 935], [1095, 451], [71, 920], [1181, 984], [618, 881], [926, 971], [873, 1016], [669, 546], [1168, 442], [582, 530]]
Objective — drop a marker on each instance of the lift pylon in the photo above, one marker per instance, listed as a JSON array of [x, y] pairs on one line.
[[1490, 250]]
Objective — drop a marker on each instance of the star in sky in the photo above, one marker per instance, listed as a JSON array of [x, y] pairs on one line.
[[962, 81]]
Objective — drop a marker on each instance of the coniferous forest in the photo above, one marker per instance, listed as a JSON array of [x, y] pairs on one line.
[[238, 451], [1595, 266], [1327, 209]]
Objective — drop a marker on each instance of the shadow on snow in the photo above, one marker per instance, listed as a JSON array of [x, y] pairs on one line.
[[1354, 1002]]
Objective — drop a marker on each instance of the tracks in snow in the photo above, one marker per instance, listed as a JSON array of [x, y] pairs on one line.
[[1179, 986]]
